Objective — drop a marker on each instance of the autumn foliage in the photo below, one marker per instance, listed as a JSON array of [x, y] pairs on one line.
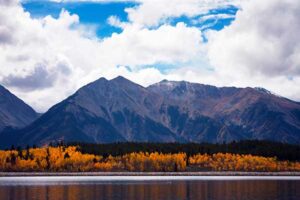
[[47, 159], [70, 159], [235, 162]]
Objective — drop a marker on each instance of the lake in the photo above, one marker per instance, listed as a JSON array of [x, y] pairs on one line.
[[149, 187]]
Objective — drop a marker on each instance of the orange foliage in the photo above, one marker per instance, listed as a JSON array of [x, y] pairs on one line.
[[70, 159], [47, 159], [154, 162], [235, 162]]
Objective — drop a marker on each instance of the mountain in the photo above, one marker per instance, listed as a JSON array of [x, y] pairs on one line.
[[103, 111], [211, 114], [119, 110], [14, 113]]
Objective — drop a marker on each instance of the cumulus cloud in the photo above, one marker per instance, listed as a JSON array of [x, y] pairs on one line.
[[116, 22], [35, 57], [8, 2], [167, 44], [263, 44], [154, 12], [47, 59], [39, 79]]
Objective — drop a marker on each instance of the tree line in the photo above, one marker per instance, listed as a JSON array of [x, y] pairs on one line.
[[254, 147], [71, 159]]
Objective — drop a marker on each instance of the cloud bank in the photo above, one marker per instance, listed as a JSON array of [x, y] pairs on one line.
[[44, 60], [262, 46]]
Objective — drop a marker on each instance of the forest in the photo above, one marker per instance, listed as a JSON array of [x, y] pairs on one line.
[[281, 151], [71, 159]]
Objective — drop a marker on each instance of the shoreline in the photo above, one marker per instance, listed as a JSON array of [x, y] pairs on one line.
[[208, 173]]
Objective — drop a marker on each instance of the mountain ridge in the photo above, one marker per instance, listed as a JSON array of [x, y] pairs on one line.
[[120, 110], [14, 112]]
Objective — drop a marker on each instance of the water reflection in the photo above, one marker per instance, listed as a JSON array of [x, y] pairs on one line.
[[158, 190]]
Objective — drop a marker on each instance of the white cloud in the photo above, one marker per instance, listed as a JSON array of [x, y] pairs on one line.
[[168, 44], [36, 57], [214, 17], [154, 12], [261, 47], [8, 2], [45, 60], [116, 22]]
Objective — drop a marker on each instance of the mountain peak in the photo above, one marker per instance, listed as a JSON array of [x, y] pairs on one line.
[[120, 79], [166, 85], [262, 90], [100, 80], [164, 81], [125, 83]]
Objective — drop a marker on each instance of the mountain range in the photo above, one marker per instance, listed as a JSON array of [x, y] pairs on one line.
[[119, 110]]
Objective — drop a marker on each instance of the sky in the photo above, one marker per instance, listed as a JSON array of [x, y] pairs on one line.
[[51, 48]]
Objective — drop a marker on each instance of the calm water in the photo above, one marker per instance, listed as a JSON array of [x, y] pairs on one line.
[[141, 188]]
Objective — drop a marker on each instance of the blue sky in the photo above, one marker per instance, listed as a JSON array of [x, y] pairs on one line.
[[97, 13], [88, 12]]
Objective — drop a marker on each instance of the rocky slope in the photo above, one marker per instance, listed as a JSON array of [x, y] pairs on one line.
[[119, 110], [14, 113]]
